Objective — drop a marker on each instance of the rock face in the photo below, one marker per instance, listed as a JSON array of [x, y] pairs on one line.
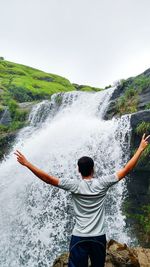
[[118, 255], [139, 116], [7, 138]]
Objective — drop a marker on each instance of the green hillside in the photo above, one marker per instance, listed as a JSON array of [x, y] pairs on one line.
[[20, 83], [24, 83]]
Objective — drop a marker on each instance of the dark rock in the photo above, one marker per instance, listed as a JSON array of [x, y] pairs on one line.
[[26, 105], [139, 117], [5, 117], [6, 142], [47, 79], [144, 99], [147, 73]]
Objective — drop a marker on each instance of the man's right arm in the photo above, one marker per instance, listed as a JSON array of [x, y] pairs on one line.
[[132, 162], [49, 179]]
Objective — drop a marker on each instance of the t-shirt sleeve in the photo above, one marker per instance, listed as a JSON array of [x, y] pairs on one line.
[[70, 185], [109, 180]]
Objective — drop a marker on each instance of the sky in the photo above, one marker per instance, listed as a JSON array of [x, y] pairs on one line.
[[95, 42]]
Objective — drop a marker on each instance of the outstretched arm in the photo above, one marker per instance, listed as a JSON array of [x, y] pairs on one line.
[[39, 173], [132, 162]]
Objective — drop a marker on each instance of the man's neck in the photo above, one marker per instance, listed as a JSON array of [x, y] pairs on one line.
[[87, 177]]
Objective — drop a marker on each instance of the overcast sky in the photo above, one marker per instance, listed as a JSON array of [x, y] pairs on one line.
[[92, 42]]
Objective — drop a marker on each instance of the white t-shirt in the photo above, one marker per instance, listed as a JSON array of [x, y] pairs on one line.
[[88, 198]]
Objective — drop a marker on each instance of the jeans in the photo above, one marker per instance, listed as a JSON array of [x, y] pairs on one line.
[[82, 248]]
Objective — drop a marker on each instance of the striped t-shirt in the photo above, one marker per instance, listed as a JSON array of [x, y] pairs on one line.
[[88, 198]]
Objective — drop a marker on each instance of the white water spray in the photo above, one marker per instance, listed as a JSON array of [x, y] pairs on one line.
[[36, 218]]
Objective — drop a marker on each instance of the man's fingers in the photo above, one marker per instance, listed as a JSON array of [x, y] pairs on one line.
[[147, 137], [19, 152], [143, 136]]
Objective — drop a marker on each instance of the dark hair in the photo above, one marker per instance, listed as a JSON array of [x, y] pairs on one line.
[[86, 165]]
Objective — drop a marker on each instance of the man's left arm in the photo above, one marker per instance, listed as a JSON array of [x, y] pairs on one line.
[[39, 173]]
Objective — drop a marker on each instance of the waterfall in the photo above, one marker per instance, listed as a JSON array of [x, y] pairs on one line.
[[36, 218]]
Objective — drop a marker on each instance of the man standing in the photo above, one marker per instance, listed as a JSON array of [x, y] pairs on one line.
[[88, 197]]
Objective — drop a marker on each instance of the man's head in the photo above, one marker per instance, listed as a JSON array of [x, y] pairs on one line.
[[86, 166]]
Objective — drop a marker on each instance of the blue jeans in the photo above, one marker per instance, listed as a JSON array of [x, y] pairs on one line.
[[82, 248]]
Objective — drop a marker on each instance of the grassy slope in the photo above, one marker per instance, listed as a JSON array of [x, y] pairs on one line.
[[19, 83], [38, 83], [34, 83]]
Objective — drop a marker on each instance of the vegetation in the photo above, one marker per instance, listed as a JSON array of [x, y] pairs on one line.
[[132, 88], [143, 127], [128, 102], [147, 106], [19, 83], [86, 88], [23, 83], [89, 88]]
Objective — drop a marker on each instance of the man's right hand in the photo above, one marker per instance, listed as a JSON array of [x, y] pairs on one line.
[[21, 158]]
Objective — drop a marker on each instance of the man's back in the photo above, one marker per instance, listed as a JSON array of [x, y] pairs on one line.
[[88, 198]]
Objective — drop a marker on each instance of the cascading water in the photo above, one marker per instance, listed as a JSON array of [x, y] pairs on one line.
[[36, 218]]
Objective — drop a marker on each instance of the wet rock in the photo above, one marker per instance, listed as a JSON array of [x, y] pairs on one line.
[[26, 105], [61, 261], [5, 117], [6, 143]]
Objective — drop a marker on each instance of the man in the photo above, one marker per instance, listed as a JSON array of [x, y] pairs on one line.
[[88, 196]]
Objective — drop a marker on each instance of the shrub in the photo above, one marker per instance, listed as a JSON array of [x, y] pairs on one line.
[[20, 115], [3, 128], [143, 127], [12, 105], [147, 106], [16, 125], [127, 103], [130, 92], [20, 94]]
